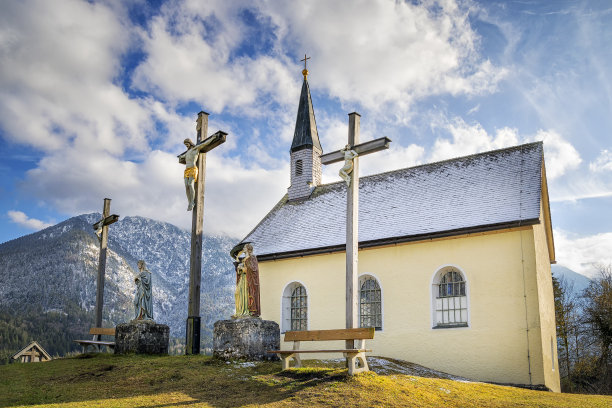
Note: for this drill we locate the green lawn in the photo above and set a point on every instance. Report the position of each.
(106, 380)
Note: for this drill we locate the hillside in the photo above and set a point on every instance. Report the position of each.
(199, 381)
(48, 280)
(576, 281)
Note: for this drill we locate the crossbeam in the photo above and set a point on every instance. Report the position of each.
(218, 138)
(371, 146)
(111, 219)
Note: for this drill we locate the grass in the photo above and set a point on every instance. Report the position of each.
(106, 380)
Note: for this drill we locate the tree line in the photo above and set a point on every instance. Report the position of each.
(584, 334)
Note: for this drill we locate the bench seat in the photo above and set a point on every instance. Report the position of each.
(355, 356)
(97, 332)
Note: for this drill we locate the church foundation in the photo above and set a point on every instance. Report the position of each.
(142, 337)
(246, 338)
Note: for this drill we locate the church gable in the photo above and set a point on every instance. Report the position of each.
(487, 191)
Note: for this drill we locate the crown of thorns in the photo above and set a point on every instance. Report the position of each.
(188, 141)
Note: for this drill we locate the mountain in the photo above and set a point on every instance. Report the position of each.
(578, 281)
(48, 280)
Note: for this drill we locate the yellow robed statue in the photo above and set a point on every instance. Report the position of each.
(247, 281)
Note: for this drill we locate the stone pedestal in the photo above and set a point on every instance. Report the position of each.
(246, 338)
(142, 337)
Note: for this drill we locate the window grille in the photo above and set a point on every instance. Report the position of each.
(299, 309)
(451, 302)
(298, 167)
(370, 311)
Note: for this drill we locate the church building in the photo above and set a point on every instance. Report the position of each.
(454, 260)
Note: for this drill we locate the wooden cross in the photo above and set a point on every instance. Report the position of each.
(101, 228)
(352, 213)
(192, 335)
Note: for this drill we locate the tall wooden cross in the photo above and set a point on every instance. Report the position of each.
(101, 228)
(192, 334)
(352, 213)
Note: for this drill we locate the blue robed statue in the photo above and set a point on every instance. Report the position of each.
(143, 302)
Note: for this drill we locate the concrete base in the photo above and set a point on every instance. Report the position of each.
(142, 337)
(246, 338)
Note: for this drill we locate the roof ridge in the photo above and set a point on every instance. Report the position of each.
(437, 163)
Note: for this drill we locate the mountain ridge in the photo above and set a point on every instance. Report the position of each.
(55, 270)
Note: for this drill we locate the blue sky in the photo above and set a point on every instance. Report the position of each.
(97, 97)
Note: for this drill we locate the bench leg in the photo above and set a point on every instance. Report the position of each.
(286, 360)
(354, 361)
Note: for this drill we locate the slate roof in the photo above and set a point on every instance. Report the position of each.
(492, 190)
(306, 134)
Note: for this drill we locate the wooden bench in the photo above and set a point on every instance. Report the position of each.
(356, 356)
(96, 332)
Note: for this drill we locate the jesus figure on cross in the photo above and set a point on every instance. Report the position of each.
(191, 170)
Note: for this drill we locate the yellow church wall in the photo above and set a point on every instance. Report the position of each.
(500, 269)
(546, 309)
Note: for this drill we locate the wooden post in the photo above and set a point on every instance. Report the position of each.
(352, 215)
(102, 226)
(192, 343)
(352, 228)
(102, 264)
(203, 145)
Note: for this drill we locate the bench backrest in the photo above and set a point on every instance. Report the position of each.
(102, 330)
(339, 334)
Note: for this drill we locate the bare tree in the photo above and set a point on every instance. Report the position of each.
(597, 316)
(567, 330)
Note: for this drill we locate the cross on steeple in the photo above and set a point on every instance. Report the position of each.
(305, 71)
(305, 59)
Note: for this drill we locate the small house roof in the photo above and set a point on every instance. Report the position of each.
(29, 347)
(486, 191)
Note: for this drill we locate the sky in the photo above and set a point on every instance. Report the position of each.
(97, 96)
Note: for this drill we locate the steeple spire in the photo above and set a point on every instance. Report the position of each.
(306, 134)
(305, 149)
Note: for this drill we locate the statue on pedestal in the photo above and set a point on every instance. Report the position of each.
(143, 301)
(247, 281)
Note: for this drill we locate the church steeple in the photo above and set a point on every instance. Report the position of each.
(305, 149)
(306, 134)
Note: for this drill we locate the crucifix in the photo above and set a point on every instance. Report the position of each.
(350, 173)
(101, 228)
(194, 160)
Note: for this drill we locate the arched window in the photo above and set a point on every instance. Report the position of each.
(295, 308)
(298, 167)
(370, 303)
(450, 305)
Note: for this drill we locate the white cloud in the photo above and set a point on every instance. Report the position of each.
(58, 64)
(560, 154)
(582, 253)
(386, 54)
(469, 139)
(190, 56)
(380, 54)
(20, 218)
(602, 163)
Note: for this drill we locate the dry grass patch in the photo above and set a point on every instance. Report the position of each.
(106, 380)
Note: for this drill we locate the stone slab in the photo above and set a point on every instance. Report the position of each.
(246, 338)
(142, 337)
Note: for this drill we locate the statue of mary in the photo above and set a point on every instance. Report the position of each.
(143, 302)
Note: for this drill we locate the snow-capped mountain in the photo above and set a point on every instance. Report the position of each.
(55, 270)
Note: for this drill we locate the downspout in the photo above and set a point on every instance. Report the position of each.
(523, 265)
